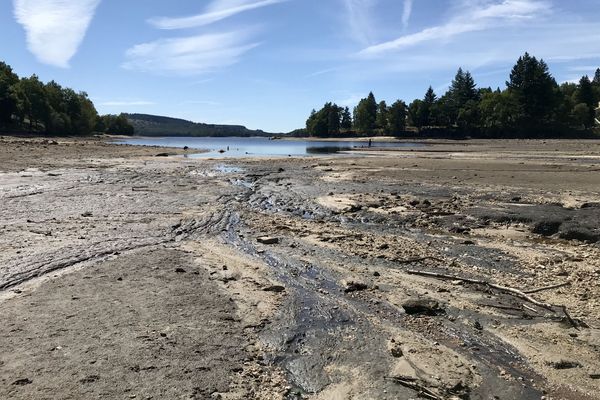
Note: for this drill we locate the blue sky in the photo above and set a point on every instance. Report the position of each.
(266, 63)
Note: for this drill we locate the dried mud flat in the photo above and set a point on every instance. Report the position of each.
(438, 272)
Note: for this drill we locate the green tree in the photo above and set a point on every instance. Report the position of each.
(414, 113)
(462, 91)
(426, 114)
(498, 113)
(36, 108)
(117, 125)
(381, 119)
(536, 93)
(346, 120)
(8, 100)
(581, 115)
(585, 95)
(397, 114)
(365, 115)
(325, 122)
(596, 80)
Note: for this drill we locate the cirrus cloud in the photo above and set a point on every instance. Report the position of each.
(193, 55)
(216, 11)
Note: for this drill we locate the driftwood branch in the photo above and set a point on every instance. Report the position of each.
(547, 288)
(417, 259)
(506, 289)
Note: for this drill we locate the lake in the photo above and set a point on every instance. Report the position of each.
(258, 146)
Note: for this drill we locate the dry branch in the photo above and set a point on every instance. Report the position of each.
(417, 259)
(547, 288)
(420, 389)
(515, 292)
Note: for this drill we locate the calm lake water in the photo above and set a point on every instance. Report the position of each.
(243, 147)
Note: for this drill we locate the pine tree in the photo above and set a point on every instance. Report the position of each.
(425, 115)
(536, 93)
(585, 96)
(346, 123)
(381, 121)
(596, 80)
(365, 115)
(397, 114)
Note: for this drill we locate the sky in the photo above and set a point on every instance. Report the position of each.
(266, 63)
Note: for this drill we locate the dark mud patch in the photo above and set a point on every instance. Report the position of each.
(546, 219)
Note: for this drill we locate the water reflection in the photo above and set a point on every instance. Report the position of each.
(258, 147)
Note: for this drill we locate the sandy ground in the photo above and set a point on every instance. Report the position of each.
(126, 275)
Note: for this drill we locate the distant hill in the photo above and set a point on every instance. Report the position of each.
(154, 125)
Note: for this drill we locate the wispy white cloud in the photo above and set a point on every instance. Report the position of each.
(193, 55)
(217, 10)
(407, 13)
(478, 17)
(322, 72)
(358, 20)
(54, 28)
(119, 103)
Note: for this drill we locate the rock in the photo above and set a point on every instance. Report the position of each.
(180, 271)
(352, 286)
(396, 350)
(376, 274)
(87, 214)
(477, 325)
(162, 155)
(267, 240)
(595, 376)
(422, 307)
(22, 382)
(274, 288)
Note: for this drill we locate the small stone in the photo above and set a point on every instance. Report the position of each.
(180, 271)
(267, 240)
(274, 288)
(422, 307)
(352, 286)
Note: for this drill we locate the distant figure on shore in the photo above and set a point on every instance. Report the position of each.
(370, 142)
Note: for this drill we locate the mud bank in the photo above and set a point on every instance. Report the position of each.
(127, 275)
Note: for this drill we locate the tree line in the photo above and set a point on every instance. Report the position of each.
(30, 105)
(533, 104)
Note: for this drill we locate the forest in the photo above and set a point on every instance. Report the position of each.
(32, 106)
(533, 105)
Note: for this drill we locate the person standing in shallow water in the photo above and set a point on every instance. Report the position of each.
(370, 142)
